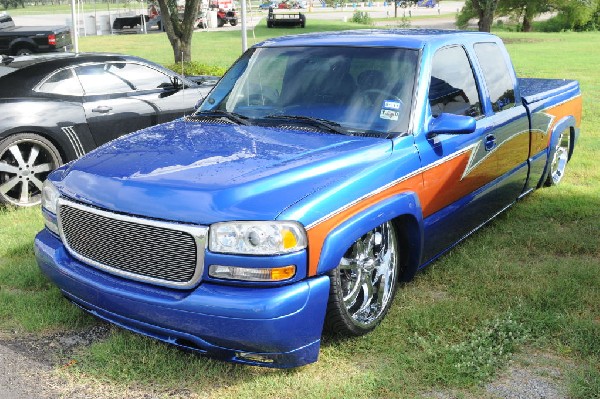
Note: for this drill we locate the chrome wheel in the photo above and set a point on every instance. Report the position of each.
(364, 283)
(560, 159)
(25, 162)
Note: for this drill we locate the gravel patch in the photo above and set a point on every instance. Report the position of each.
(56, 348)
(15, 383)
(538, 376)
(39, 367)
(531, 375)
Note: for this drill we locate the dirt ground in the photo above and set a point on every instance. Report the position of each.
(34, 367)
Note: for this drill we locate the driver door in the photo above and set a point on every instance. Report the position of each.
(111, 106)
(458, 189)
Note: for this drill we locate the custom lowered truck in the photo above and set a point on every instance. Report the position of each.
(319, 173)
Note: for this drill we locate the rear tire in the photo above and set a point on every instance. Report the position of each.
(559, 160)
(26, 159)
(363, 285)
(233, 22)
(24, 51)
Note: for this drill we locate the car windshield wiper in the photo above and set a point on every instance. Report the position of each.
(232, 116)
(325, 124)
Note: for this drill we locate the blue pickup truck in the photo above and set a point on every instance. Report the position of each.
(320, 172)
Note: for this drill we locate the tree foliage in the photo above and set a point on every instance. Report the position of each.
(179, 25)
(524, 11)
(12, 3)
(571, 14)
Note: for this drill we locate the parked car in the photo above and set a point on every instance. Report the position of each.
(130, 23)
(320, 172)
(56, 107)
(25, 40)
(268, 4)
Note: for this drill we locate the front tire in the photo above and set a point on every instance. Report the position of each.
(26, 159)
(559, 161)
(363, 285)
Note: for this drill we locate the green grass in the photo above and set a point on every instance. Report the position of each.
(28, 302)
(529, 280)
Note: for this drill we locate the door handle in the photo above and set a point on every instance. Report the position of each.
(103, 109)
(490, 142)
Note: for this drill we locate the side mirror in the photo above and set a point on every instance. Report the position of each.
(177, 83)
(451, 124)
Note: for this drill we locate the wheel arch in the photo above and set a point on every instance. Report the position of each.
(403, 209)
(567, 123)
(20, 43)
(60, 145)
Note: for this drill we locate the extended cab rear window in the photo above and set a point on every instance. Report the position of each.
(497, 77)
(453, 89)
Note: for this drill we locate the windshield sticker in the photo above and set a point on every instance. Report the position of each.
(389, 114)
(391, 104)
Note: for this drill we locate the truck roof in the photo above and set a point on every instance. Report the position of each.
(405, 38)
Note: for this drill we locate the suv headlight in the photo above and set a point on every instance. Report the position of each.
(257, 238)
(50, 197)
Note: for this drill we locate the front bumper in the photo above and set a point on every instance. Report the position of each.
(275, 327)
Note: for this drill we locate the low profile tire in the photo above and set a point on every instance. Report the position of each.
(363, 285)
(558, 164)
(24, 51)
(26, 159)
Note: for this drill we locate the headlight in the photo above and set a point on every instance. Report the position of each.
(50, 196)
(257, 238)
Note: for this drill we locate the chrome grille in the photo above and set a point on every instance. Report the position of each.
(162, 253)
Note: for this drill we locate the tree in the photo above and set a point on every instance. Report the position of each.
(525, 9)
(179, 31)
(485, 10)
(482, 9)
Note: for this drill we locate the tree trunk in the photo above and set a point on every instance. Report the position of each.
(527, 21)
(179, 32)
(485, 22)
(182, 50)
(485, 10)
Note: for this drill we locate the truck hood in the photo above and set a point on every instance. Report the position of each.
(205, 173)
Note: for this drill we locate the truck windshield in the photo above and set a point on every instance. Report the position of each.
(361, 90)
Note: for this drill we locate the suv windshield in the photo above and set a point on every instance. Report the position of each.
(361, 90)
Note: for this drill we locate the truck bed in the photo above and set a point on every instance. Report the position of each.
(24, 30)
(534, 89)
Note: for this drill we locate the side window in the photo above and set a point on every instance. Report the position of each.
(497, 76)
(140, 76)
(62, 82)
(452, 89)
(97, 79)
